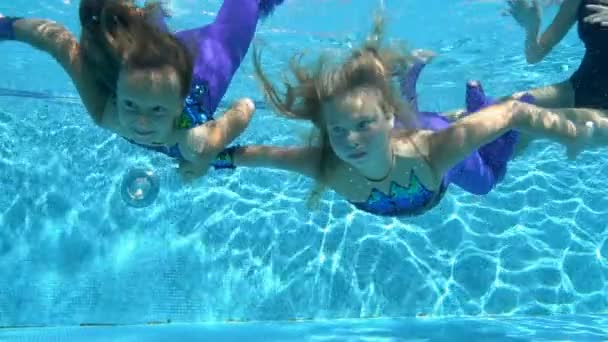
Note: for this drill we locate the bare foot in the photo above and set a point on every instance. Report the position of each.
(423, 56)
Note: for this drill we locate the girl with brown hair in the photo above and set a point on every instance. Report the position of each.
(155, 88)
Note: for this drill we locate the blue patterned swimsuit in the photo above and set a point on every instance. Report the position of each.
(402, 201)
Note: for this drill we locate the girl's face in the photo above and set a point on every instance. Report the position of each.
(149, 102)
(359, 130)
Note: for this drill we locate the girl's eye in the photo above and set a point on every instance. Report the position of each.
(338, 130)
(129, 104)
(364, 124)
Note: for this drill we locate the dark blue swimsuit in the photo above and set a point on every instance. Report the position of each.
(590, 81)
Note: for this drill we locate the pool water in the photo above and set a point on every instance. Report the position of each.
(242, 245)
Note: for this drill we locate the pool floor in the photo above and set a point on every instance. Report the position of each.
(553, 328)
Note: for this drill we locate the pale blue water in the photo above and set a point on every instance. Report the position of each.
(243, 246)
